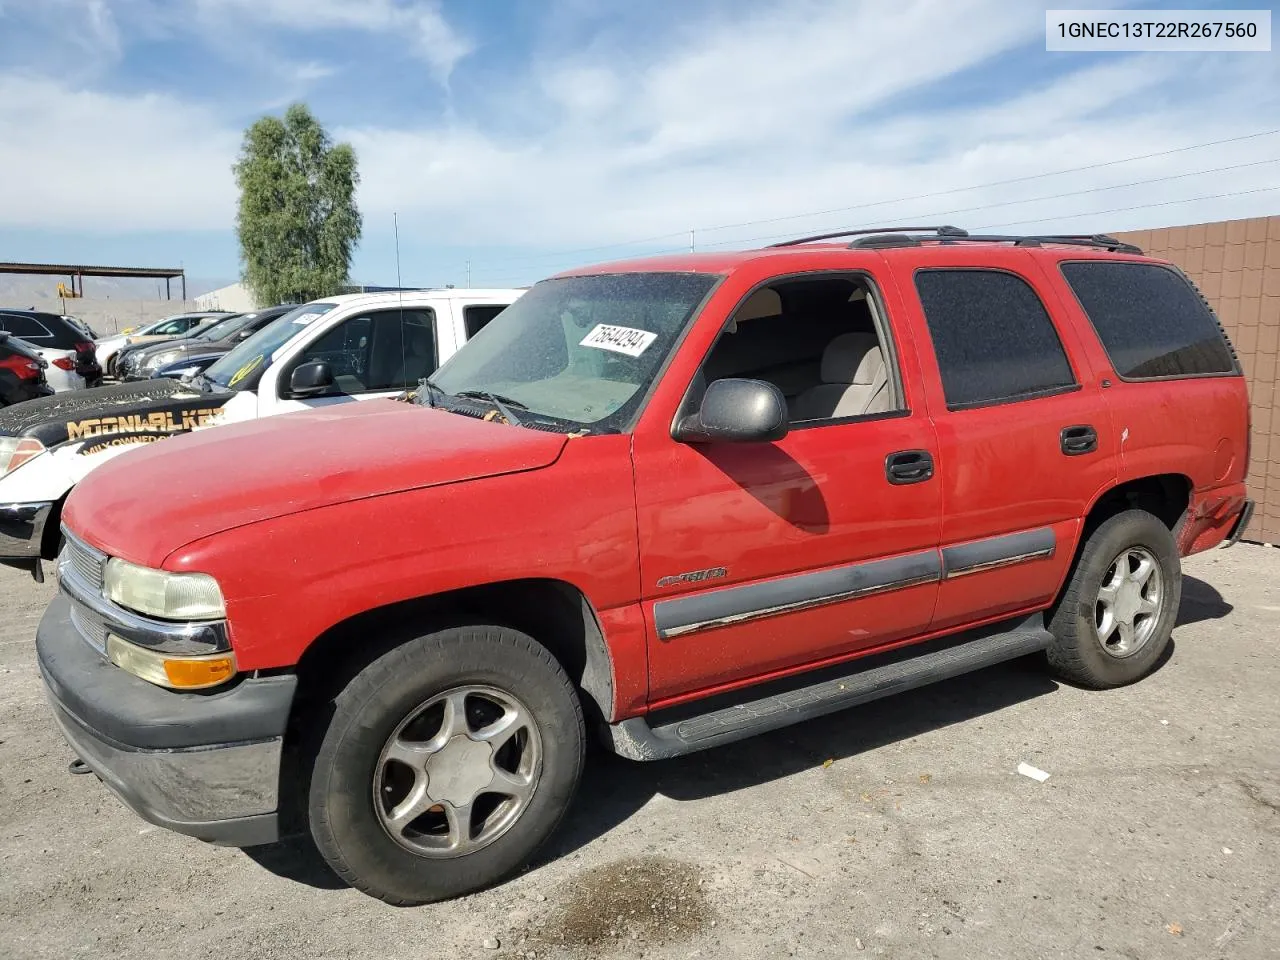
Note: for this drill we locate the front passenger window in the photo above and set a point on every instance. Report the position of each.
(818, 340)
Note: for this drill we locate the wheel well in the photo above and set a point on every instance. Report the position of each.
(1165, 496)
(553, 612)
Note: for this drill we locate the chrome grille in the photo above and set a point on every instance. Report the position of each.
(86, 561)
(91, 626)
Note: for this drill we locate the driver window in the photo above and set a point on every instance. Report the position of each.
(818, 340)
(386, 350)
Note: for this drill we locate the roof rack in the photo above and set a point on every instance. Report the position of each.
(887, 237)
(942, 231)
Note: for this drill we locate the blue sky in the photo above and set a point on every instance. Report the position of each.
(526, 137)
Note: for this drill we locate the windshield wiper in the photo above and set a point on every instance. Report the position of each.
(428, 390)
(501, 404)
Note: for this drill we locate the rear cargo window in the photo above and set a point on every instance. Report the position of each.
(1150, 319)
(992, 336)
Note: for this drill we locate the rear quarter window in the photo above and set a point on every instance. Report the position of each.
(1150, 319)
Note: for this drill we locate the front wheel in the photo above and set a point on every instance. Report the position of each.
(1117, 612)
(448, 761)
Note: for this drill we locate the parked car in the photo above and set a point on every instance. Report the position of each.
(684, 500)
(70, 354)
(22, 375)
(142, 362)
(167, 329)
(372, 345)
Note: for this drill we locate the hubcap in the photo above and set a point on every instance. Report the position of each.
(458, 772)
(1129, 602)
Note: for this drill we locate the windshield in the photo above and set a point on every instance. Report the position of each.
(224, 328)
(580, 349)
(241, 368)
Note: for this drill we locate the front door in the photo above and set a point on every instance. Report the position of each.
(758, 558)
(375, 354)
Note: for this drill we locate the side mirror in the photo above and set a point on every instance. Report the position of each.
(736, 411)
(243, 335)
(310, 379)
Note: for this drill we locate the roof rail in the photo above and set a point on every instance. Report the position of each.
(942, 231)
(882, 237)
(1099, 240)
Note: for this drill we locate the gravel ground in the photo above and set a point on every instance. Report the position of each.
(899, 829)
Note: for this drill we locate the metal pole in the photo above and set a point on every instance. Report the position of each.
(184, 286)
(167, 294)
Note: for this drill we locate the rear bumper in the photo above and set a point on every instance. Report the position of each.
(22, 529)
(207, 766)
(1238, 528)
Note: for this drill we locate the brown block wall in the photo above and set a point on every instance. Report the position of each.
(1236, 265)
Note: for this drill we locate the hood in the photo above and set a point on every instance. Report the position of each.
(142, 411)
(147, 504)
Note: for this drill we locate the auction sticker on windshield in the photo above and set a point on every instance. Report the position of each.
(303, 319)
(626, 340)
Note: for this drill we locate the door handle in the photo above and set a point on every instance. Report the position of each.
(908, 466)
(1078, 439)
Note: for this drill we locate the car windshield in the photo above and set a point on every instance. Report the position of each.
(579, 349)
(241, 368)
(224, 328)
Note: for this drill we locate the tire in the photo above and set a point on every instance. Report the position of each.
(389, 711)
(1079, 653)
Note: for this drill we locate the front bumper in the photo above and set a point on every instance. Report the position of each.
(22, 529)
(203, 765)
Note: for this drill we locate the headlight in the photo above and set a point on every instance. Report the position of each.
(158, 593)
(15, 451)
(161, 359)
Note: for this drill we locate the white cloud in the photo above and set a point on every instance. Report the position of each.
(83, 160)
(421, 23)
(806, 106)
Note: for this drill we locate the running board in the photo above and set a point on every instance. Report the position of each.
(745, 713)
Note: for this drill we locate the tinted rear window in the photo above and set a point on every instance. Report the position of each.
(992, 336)
(1150, 320)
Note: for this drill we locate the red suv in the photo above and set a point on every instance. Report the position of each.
(679, 500)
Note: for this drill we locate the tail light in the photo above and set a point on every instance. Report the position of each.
(85, 346)
(24, 367)
(64, 363)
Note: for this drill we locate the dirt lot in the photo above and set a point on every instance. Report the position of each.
(896, 830)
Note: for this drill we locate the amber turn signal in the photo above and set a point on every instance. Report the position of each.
(176, 673)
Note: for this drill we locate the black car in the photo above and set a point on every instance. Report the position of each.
(62, 341)
(21, 372)
(142, 362)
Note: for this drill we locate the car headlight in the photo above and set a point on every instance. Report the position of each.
(15, 451)
(159, 593)
(158, 360)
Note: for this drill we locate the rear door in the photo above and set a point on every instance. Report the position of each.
(1024, 436)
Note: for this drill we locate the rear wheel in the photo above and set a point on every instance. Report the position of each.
(447, 763)
(1116, 614)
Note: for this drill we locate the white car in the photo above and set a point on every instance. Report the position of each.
(182, 325)
(336, 350)
(61, 341)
